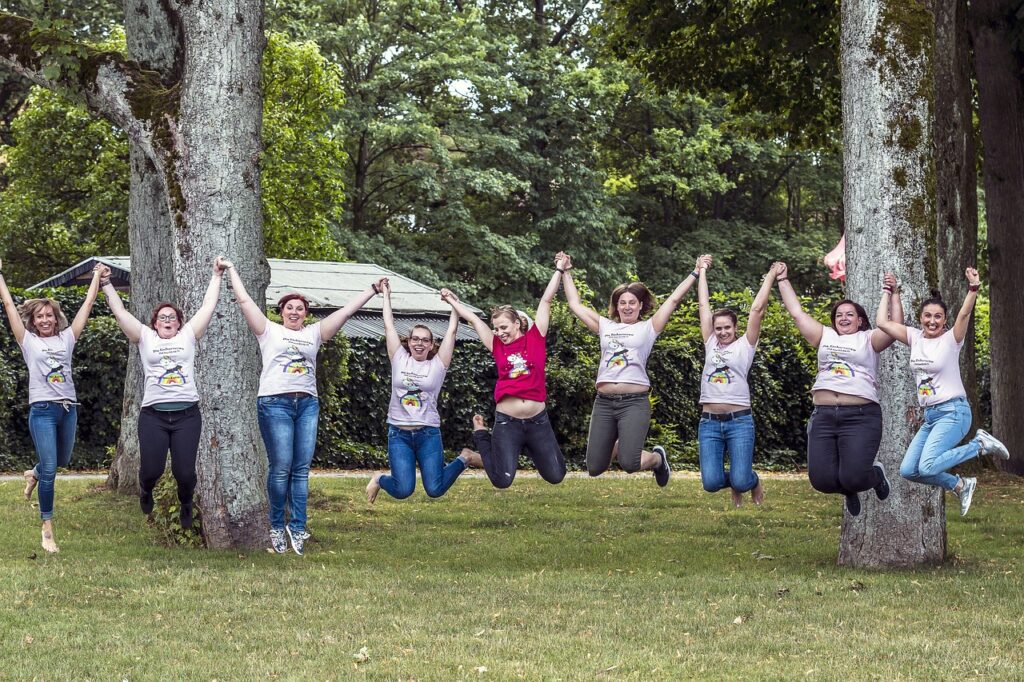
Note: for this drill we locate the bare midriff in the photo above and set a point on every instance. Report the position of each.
(826, 397)
(520, 408)
(616, 388)
(722, 408)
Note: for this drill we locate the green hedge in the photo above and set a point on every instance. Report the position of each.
(354, 384)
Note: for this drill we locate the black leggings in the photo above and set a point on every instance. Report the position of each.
(500, 448)
(842, 442)
(178, 432)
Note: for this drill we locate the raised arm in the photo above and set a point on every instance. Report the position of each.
(390, 333)
(543, 316)
(808, 327)
(333, 322)
(707, 324)
(253, 313)
(890, 327)
(963, 318)
(447, 349)
(78, 324)
(131, 327)
(664, 312)
(482, 329)
(760, 306)
(201, 320)
(17, 326)
(588, 316)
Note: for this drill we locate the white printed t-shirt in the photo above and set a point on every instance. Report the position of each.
(289, 359)
(848, 364)
(724, 378)
(624, 351)
(936, 366)
(415, 386)
(169, 366)
(49, 366)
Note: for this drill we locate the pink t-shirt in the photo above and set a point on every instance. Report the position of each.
(624, 351)
(847, 364)
(169, 366)
(936, 366)
(521, 367)
(724, 379)
(289, 359)
(49, 366)
(415, 386)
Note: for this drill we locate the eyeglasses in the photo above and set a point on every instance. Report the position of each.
(420, 339)
(167, 318)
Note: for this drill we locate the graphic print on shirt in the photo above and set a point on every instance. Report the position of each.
(618, 355)
(519, 368)
(56, 373)
(721, 374)
(295, 363)
(838, 367)
(172, 376)
(412, 399)
(926, 388)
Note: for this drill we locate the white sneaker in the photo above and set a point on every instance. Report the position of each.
(991, 445)
(278, 540)
(967, 494)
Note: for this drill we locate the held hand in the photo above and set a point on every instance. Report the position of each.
(220, 264)
(889, 281)
(385, 287)
(973, 278)
(378, 286)
(448, 296)
(561, 261)
(781, 271)
(103, 270)
(704, 262)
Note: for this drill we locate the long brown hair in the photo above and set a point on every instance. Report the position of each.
(29, 308)
(433, 341)
(638, 289)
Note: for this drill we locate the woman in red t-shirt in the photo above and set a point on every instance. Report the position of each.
(520, 418)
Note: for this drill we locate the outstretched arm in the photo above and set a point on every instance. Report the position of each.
(447, 349)
(201, 320)
(333, 322)
(78, 324)
(588, 316)
(707, 324)
(808, 327)
(543, 316)
(660, 319)
(760, 306)
(390, 333)
(479, 326)
(891, 328)
(17, 326)
(252, 313)
(963, 318)
(131, 327)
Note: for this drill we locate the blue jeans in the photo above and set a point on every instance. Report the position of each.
(53, 432)
(714, 438)
(288, 425)
(933, 451)
(405, 448)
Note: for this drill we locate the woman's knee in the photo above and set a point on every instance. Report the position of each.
(712, 482)
(824, 482)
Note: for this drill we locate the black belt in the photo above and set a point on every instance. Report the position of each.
(728, 416)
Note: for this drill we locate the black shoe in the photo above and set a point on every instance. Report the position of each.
(185, 515)
(853, 504)
(882, 489)
(663, 471)
(146, 501)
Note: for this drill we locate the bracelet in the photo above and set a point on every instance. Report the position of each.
(376, 290)
(560, 270)
(887, 290)
(782, 279)
(696, 274)
(973, 287)
(104, 282)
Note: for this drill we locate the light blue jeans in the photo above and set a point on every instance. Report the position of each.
(423, 445)
(714, 438)
(52, 426)
(933, 451)
(288, 424)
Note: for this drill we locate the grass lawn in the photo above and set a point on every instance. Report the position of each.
(592, 579)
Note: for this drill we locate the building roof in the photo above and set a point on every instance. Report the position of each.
(326, 285)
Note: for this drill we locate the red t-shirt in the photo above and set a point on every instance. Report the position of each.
(521, 367)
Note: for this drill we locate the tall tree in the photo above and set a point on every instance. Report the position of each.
(190, 102)
(887, 73)
(997, 29)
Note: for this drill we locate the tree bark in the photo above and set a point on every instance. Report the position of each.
(999, 65)
(886, 51)
(956, 175)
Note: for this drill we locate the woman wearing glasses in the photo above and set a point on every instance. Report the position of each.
(418, 368)
(169, 418)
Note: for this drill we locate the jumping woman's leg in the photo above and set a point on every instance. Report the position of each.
(187, 425)
(500, 448)
(604, 432)
(823, 450)
(633, 418)
(307, 416)
(401, 483)
(860, 434)
(542, 447)
(940, 453)
(43, 420)
(711, 444)
(739, 437)
(277, 427)
(437, 477)
(154, 442)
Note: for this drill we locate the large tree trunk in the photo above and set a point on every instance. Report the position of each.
(218, 176)
(886, 50)
(956, 175)
(999, 64)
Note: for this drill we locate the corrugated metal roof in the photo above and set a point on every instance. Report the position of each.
(326, 285)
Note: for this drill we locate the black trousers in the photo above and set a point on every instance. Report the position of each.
(842, 442)
(177, 432)
(500, 448)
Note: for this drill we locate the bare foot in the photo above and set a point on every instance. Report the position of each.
(373, 487)
(49, 544)
(471, 458)
(737, 498)
(30, 483)
(478, 423)
(757, 494)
